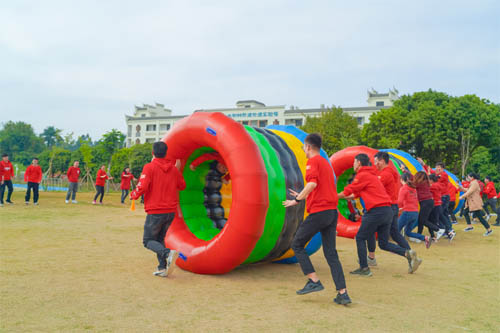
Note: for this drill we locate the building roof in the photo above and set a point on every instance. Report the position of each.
(155, 118)
(361, 108)
(246, 101)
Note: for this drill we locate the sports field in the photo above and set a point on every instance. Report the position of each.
(83, 268)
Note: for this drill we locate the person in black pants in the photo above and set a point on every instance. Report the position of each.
(99, 192)
(378, 217)
(321, 204)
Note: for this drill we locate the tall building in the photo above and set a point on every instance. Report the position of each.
(151, 122)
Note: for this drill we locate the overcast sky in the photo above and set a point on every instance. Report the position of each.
(82, 65)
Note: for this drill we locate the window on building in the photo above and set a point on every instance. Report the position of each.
(129, 142)
(245, 122)
(138, 128)
(380, 103)
(262, 123)
(150, 128)
(137, 134)
(254, 123)
(298, 122)
(129, 130)
(150, 140)
(248, 106)
(361, 120)
(276, 122)
(164, 127)
(137, 142)
(143, 115)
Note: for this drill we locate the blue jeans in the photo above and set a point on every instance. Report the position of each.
(409, 221)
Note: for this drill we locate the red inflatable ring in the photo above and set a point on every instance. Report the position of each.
(245, 224)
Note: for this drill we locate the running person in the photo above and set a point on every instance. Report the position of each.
(437, 215)
(33, 176)
(423, 187)
(377, 219)
(474, 203)
(491, 194)
(99, 184)
(160, 183)
(452, 192)
(321, 204)
(127, 177)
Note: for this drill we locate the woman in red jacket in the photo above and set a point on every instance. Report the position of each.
(491, 194)
(99, 184)
(127, 177)
(421, 181)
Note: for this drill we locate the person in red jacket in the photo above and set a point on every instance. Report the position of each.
(389, 177)
(437, 217)
(491, 194)
(73, 174)
(7, 173)
(127, 177)
(160, 183)
(452, 192)
(99, 184)
(378, 217)
(33, 176)
(321, 204)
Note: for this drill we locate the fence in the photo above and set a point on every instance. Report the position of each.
(60, 184)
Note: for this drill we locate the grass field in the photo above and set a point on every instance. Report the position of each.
(83, 268)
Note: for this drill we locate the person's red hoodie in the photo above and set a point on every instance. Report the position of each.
(436, 190)
(407, 199)
(33, 174)
(367, 186)
(7, 170)
(126, 179)
(389, 177)
(101, 178)
(73, 174)
(490, 190)
(160, 182)
(452, 192)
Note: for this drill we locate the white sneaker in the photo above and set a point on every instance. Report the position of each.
(161, 273)
(487, 233)
(27, 203)
(487, 217)
(172, 257)
(440, 233)
(36, 204)
(414, 240)
(74, 201)
(67, 201)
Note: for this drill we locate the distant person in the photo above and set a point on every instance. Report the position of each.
(408, 204)
(452, 192)
(7, 173)
(474, 203)
(377, 219)
(73, 175)
(445, 198)
(33, 176)
(127, 177)
(437, 215)
(491, 195)
(100, 182)
(321, 204)
(426, 201)
(160, 183)
(220, 165)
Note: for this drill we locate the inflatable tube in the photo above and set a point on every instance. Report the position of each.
(221, 226)
(342, 162)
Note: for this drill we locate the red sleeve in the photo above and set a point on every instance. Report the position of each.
(207, 157)
(386, 178)
(402, 196)
(181, 183)
(143, 184)
(27, 173)
(355, 187)
(312, 171)
(40, 175)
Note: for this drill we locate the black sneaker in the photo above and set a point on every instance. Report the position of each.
(9, 202)
(310, 287)
(362, 271)
(342, 299)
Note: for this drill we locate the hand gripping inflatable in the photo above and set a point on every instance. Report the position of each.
(262, 164)
(342, 162)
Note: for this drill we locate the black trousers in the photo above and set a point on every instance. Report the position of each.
(376, 220)
(326, 223)
(100, 191)
(478, 214)
(451, 211)
(124, 195)
(155, 229)
(393, 232)
(426, 207)
(8, 184)
(33, 186)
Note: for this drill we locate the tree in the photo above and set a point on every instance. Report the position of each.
(55, 161)
(436, 126)
(481, 162)
(52, 136)
(338, 129)
(19, 141)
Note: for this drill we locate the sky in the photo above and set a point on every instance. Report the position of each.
(81, 66)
